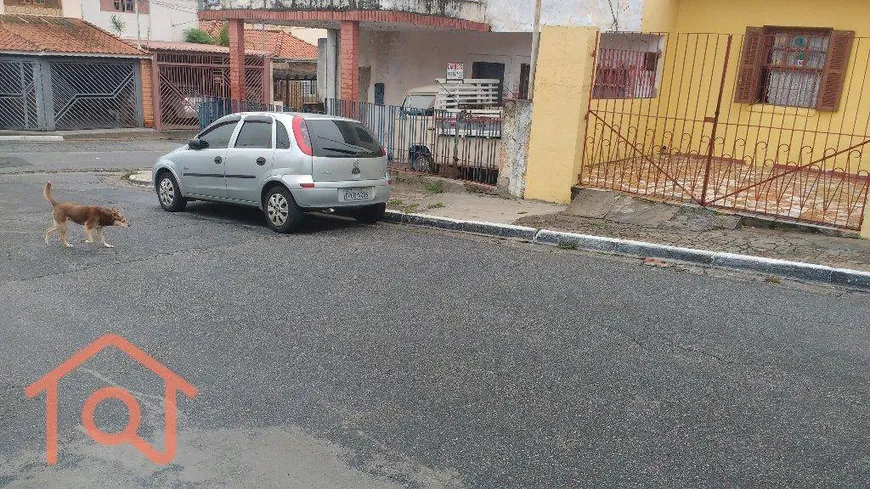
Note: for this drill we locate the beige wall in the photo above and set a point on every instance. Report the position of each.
(411, 59)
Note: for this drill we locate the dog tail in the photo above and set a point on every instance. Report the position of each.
(47, 194)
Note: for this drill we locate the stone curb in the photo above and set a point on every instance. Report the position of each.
(36, 139)
(486, 228)
(141, 179)
(805, 272)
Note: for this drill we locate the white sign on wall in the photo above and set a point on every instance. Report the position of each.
(455, 71)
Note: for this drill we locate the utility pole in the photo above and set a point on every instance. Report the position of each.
(536, 39)
(138, 33)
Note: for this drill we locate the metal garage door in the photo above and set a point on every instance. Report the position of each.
(69, 93)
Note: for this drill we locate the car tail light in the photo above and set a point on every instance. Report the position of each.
(383, 151)
(300, 132)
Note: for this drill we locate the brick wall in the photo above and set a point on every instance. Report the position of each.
(237, 59)
(147, 92)
(349, 54)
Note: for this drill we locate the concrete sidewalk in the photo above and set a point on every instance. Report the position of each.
(442, 198)
(121, 135)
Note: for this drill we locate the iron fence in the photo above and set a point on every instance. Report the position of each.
(296, 93)
(211, 109)
(450, 143)
(775, 123)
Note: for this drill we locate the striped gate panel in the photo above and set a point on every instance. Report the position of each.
(94, 95)
(18, 108)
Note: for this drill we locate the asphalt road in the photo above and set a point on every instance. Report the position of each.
(387, 357)
(17, 157)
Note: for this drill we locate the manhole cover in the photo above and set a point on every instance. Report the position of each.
(11, 161)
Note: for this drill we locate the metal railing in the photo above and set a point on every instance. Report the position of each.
(210, 109)
(296, 93)
(734, 123)
(463, 145)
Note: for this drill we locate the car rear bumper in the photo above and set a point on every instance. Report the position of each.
(327, 194)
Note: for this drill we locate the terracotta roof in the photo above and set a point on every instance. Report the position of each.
(59, 35)
(192, 47)
(278, 43)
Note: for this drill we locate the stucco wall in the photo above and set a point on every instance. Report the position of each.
(518, 16)
(166, 21)
(410, 59)
(559, 128)
(473, 10)
(515, 130)
(712, 16)
(502, 15)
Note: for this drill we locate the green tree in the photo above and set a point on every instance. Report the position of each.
(224, 36)
(117, 25)
(198, 36)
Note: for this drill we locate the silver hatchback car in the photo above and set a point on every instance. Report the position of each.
(282, 163)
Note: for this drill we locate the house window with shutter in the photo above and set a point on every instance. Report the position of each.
(793, 67)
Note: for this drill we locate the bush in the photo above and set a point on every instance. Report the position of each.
(198, 36)
(224, 37)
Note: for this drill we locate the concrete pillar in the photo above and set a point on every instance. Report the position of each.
(333, 87)
(237, 59)
(865, 227)
(349, 46)
(562, 87)
(321, 67)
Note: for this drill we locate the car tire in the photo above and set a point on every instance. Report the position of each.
(424, 163)
(369, 214)
(169, 194)
(281, 212)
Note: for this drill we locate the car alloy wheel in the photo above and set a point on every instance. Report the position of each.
(277, 209)
(166, 193)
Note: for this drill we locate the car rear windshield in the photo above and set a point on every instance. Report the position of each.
(342, 139)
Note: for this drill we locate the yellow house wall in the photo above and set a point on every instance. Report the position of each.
(561, 99)
(691, 70)
(758, 134)
(659, 15)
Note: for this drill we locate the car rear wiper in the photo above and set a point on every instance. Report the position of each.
(359, 148)
(345, 151)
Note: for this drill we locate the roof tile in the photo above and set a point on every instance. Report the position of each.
(29, 33)
(280, 44)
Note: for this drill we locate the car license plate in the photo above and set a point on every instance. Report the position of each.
(356, 194)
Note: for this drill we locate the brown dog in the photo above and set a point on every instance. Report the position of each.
(92, 217)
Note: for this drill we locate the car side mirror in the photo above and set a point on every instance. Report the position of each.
(197, 144)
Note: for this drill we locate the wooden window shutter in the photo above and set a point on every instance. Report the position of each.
(834, 76)
(748, 70)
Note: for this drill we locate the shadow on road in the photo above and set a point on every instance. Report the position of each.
(314, 222)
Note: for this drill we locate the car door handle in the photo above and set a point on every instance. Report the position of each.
(261, 161)
(218, 159)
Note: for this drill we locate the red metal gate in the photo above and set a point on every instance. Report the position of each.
(772, 123)
(185, 79)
